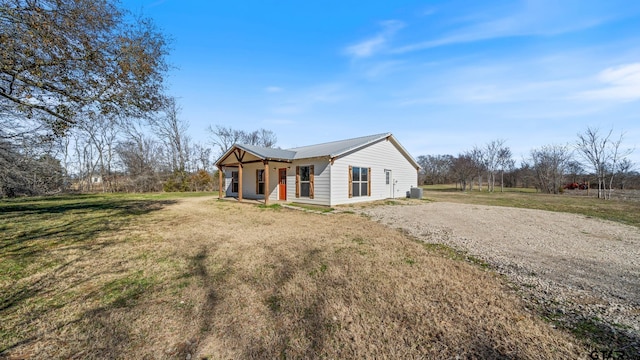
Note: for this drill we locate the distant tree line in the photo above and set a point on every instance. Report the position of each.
(137, 155)
(595, 161)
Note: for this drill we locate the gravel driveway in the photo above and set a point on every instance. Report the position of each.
(571, 264)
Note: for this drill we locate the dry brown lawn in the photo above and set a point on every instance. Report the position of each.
(214, 279)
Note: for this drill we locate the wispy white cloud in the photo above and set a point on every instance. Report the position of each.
(373, 45)
(532, 18)
(622, 83)
(557, 111)
(273, 89)
(381, 68)
(489, 84)
(306, 99)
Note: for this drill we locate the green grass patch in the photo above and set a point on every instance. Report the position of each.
(126, 291)
(320, 208)
(626, 212)
(442, 249)
(605, 340)
(451, 253)
(321, 270)
(454, 188)
(358, 240)
(272, 206)
(34, 227)
(273, 303)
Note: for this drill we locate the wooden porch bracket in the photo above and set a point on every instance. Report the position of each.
(239, 153)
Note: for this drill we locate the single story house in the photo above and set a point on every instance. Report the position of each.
(340, 172)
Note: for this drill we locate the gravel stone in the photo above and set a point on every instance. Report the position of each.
(570, 264)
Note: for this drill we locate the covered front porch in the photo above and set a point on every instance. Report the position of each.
(245, 175)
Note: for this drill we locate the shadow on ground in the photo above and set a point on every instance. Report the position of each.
(605, 340)
(44, 237)
(33, 226)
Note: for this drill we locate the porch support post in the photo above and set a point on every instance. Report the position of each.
(266, 183)
(240, 182)
(220, 184)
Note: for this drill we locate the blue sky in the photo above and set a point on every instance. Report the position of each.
(442, 76)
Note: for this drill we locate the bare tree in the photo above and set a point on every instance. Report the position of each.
(172, 131)
(28, 157)
(464, 168)
(549, 163)
(603, 154)
(593, 149)
(625, 167)
(617, 154)
(29, 168)
(524, 175)
(224, 138)
(492, 161)
(90, 57)
(435, 168)
(504, 162)
(202, 157)
(575, 170)
(138, 154)
(261, 137)
(479, 159)
(100, 135)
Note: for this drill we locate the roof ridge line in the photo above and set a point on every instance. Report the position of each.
(342, 140)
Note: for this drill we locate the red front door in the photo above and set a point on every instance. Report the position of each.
(282, 184)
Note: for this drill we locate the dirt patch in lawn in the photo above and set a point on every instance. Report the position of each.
(213, 279)
(582, 272)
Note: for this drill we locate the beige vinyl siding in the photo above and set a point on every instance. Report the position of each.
(321, 181)
(378, 156)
